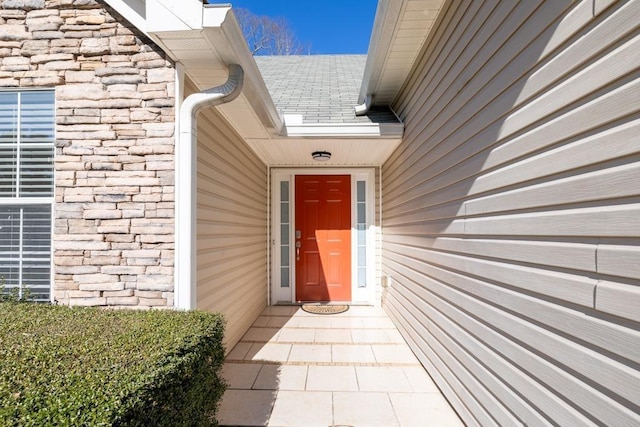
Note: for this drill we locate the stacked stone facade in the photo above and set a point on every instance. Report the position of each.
(113, 233)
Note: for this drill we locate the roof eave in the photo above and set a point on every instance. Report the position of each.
(386, 16)
(229, 42)
(402, 24)
(204, 39)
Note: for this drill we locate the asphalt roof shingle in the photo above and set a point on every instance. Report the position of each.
(322, 88)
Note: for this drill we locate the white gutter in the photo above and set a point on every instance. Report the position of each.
(387, 15)
(345, 130)
(384, 73)
(294, 127)
(186, 183)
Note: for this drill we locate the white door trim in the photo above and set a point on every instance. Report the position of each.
(280, 294)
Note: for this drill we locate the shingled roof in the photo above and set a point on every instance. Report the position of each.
(321, 88)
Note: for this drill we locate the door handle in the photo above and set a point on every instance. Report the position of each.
(298, 244)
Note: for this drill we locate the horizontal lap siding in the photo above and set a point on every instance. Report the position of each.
(232, 227)
(511, 212)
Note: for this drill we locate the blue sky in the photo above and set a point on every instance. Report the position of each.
(331, 26)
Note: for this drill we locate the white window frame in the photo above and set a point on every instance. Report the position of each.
(358, 295)
(19, 200)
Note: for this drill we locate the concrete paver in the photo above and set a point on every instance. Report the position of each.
(298, 369)
(363, 409)
(355, 353)
(383, 379)
(282, 377)
(302, 408)
(332, 378)
(240, 376)
(247, 407)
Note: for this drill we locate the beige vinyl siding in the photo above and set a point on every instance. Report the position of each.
(231, 226)
(511, 212)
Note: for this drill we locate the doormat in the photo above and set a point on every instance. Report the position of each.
(324, 309)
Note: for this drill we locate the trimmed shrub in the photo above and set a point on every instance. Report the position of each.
(94, 367)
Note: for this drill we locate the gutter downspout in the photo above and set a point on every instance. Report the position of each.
(186, 183)
(362, 109)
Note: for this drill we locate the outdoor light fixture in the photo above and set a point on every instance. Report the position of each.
(321, 156)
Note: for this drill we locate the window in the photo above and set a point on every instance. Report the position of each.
(285, 247)
(361, 232)
(27, 123)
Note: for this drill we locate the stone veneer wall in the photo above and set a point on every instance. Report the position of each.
(114, 198)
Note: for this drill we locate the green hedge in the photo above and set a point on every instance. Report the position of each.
(94, 367)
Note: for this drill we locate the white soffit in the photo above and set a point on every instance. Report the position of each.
(399, 32)
(294, 151)
(350, 144)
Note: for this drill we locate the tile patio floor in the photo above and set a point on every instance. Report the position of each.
(293, 368)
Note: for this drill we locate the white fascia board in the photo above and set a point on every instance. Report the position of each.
(386, 20)
(214, 15)
(160, 15)
(171, 15)
(349, 130)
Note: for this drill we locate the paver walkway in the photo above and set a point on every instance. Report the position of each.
(293, 368)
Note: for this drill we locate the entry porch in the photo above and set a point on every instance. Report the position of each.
(293, 368)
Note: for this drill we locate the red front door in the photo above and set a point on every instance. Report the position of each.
(323, 237)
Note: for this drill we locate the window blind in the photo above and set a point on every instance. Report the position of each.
(27, 126)
(8, 143)
(25, 249)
